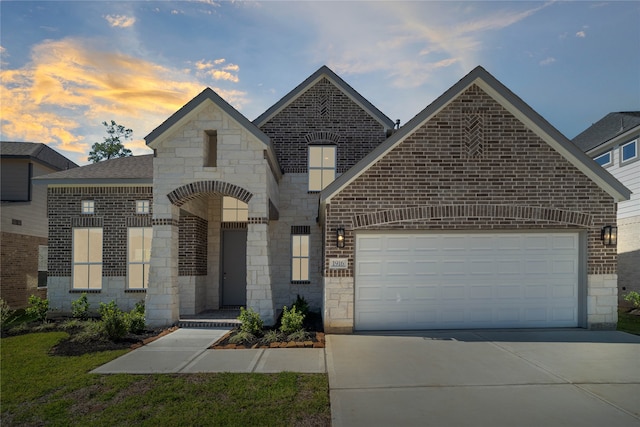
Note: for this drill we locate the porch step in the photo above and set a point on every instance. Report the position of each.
(208, 323)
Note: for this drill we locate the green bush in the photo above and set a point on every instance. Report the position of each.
(634, 298)
(291, 321)
(113, 321)
(301, 305)
(80, 307)
(135, 322)
(38, 308)
(242, 337)
(272, 336)
(139, 308)
(251, 321)
(300, 335)
(5, 313)
(92, 331)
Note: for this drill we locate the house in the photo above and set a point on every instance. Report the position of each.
(23, 236)
(476, 213)
(613, 143)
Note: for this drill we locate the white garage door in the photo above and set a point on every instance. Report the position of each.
(475, 280)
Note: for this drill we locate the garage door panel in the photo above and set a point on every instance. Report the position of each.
(431, 281)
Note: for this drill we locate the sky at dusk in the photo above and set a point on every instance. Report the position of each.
(67, 66)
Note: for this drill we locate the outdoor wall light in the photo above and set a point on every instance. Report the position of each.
(609, 235)
(340, 237)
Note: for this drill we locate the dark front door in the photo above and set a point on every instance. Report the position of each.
(234, 267)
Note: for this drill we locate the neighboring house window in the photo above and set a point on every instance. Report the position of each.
(88, 207)
(300, 254)
(142, 207)
(322, 166)
(87, 258)
(234, 210)
(629, 151)
(604, 159)
(139, 244)
(210, 148)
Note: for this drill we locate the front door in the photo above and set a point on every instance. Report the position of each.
(234, 267)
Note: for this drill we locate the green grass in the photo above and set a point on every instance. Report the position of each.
(39, 389)
(628, 322)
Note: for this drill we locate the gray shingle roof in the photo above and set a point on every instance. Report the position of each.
(133, 169)
(35, 151)
(607, 128)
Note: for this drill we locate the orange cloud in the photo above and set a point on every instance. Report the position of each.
(66, 91)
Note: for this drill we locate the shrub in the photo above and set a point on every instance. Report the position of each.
(272, 336)
(291, 320)
(38, 308)
(242, 337)
(5, 313)
(92, 331)
(634, 298)
(135, 322)
(113, 321)
(80, 307)
(139, 308)
(300, 335)
(251, 321)
(301, 305)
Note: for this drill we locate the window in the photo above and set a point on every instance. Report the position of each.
(88, 207)
(234, 210)
(300, 254)
(87, 258)
(629, 151)
(142, 207)
(210, 148)
(604, 159)
(139, 256)
(322, 166)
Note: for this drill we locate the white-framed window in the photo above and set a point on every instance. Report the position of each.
(629, 151)
(142, 207)
(88, 207)
(138, 256)
(300, 254)
(87, 258)
(234, 210)
(604, 159)
(322, 166)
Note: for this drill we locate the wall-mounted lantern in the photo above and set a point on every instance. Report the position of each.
(340, 237)
(609, 235)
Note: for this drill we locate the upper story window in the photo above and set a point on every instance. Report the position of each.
(142, 207)
(604, 159)
(234, 210)
(322, 166)
(88, 207)
(210, 148)
(629, 151)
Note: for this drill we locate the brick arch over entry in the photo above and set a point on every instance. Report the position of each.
(187, 192)
(472, 211)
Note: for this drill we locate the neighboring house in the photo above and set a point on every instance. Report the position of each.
(475, 214)
(23, 238)
(614, 143)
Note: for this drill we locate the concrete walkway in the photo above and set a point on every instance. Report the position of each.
(186, 351)
(485, 378)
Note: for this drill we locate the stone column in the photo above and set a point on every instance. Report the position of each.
(163, 299)
(259, 294)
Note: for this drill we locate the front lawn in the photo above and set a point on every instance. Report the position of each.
(628, 322)
(40, 389)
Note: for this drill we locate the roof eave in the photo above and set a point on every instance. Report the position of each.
(89, 182)
(606, 145)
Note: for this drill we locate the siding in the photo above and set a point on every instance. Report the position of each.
(629, 175)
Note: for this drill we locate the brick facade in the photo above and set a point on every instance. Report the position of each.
(446, 176)
(192, 246)
(323, 115)
(19, 270)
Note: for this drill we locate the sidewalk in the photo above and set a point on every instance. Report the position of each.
(186, 351)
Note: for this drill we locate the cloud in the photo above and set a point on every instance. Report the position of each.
(581, 34)
(120, 21)
(217, 70)
(69, 82)
(548, 61)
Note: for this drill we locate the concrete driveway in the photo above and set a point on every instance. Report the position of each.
(485, 378)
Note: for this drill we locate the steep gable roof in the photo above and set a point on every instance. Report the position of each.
(608, 128)
(121, 170)
(516, 106)
(192, 106)
(36, 151)
(324, 72)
